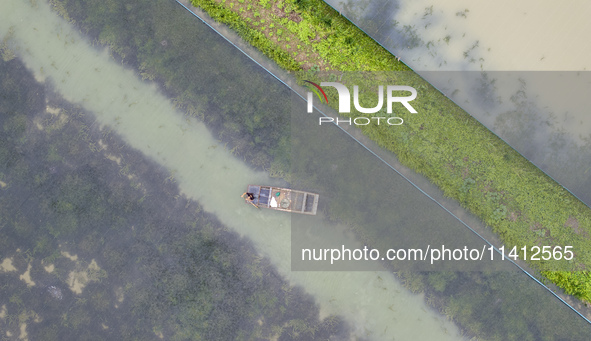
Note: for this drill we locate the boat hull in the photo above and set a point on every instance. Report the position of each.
(284, 199)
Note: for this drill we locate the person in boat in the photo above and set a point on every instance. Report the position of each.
(248, 196)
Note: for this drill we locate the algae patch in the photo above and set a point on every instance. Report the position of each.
(78, 279)
(49, 268)
(66, 254)
(6, 265)
(26, 277)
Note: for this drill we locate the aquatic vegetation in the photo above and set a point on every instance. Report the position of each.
(150, 265)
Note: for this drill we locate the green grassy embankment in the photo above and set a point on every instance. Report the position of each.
(444, 143)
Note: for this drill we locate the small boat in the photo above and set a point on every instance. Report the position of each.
(284, 199)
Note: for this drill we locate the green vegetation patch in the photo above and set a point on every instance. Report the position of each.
(309, 33)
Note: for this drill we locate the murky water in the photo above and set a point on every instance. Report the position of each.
(470, 36)
(529, 36)
(375, 303)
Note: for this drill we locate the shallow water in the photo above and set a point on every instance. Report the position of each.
(463, 35)
(374, 303)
